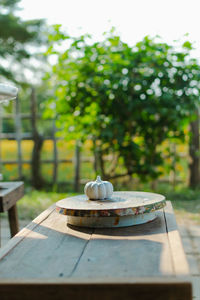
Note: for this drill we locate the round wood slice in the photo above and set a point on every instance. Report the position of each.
(122, 209)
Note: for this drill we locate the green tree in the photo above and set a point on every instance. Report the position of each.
(128, 101)
(18, 40)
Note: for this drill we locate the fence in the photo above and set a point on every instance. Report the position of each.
(77, 159)
(19, 136)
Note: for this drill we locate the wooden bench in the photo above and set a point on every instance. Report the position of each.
(50, 260)
(10, 193)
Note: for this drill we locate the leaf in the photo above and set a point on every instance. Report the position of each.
(187, 45)
(130, 100)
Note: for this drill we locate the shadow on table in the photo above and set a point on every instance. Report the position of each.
(156, 226)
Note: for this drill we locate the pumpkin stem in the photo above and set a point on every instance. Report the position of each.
(98, 178)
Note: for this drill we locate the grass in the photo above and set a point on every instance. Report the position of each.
(186, 202)
(34, 202)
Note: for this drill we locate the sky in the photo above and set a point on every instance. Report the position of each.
(133, 19)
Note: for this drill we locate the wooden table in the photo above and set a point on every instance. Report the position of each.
(49, 260)
(10, 193)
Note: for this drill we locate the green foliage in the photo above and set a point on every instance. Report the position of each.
(16, 37)
(128, 101)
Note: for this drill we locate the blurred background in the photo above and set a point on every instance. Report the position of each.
(106, 88)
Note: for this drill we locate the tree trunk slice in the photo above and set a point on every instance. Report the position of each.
(122, 209)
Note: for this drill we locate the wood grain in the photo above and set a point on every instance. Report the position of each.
(132, 251)
(50, 249)
(24, 232)
(49, 259)
(10, 193)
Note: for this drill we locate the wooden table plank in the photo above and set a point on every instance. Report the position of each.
(179, 260)
(24, 232)
(49, 250)
(49, 259)
(132, 251)
(10, 193)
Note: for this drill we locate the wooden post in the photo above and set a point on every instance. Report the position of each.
(37, 179)
(96, 157)
(174, 165)
(55, 154)
(13, 220)
(1, 128)
(0, 161)
(18, 136)
(77, 167)
(194, 153)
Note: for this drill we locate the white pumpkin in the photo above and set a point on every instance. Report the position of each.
(98, 190)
